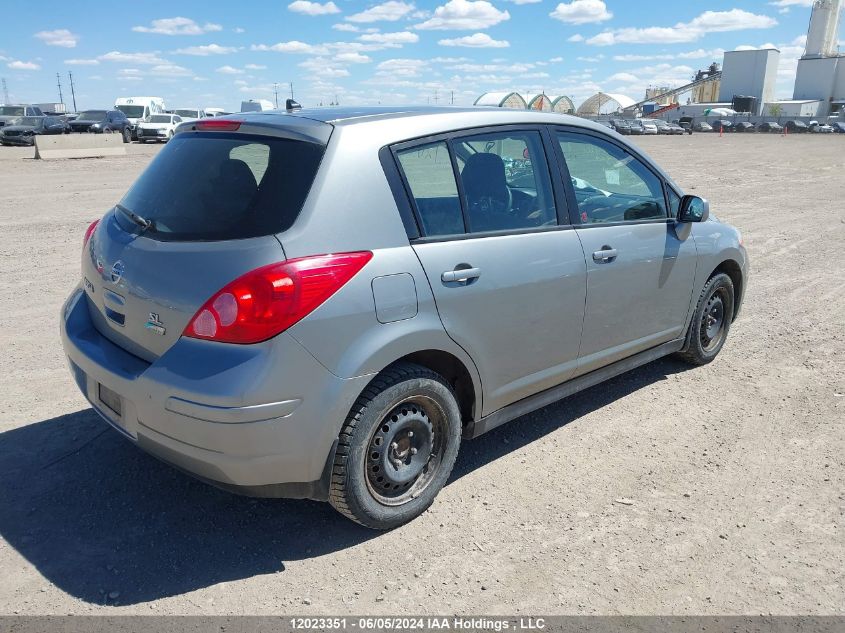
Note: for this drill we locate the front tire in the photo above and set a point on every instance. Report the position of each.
(397, 447)
(711, 321)
(127, 135)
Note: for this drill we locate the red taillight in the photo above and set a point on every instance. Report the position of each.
(89, 232)
(268, 300)
(219, 125)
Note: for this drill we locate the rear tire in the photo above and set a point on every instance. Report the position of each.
(711, 321)
(397, 447)
(127, 135)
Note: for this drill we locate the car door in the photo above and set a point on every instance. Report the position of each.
(640, 263)
(506, 269)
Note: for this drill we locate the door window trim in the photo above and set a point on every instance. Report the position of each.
(562, 206)
(567, 178)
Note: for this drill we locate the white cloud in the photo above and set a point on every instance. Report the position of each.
(792, 3)
(581, 12)
(707, 22)
(255, 67)
(313, 8)
(389, 11)
(464, 15)
(132, 58)
(626, 77)
(352, 58)
(525, 1)
(170, 70)
(82, 62)
(206, 49)
(59, 37)
(21, 65)
(575, 38)
(229, 70)
(177, 26)
(238, 29)
(294, 46)
(478, 40)
(398, 38)
(401, 67)
(348, 28)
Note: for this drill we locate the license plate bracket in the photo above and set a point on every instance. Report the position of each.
(111, 399)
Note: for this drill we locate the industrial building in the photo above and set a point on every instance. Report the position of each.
(821, 70)
(517, 101)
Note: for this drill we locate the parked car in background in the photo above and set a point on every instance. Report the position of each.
(770, 127)
(159, 127)
(636, 127)
(256, 105)
(797, 127)
(677, 130)
(723, 125)
(23, 130)
(137, 109)
(216, 112)
(745, 127)
(820, 128)
(103, 122)
(661, 125)
(230, 321)
(14, 111)
(839, 127)
(649, 127)
(189, 114)
(622, 126)
(702, 126)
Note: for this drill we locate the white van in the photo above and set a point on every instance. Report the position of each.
(189, 114)
(256, 105)
(137, 109)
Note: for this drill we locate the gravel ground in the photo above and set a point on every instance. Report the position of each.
(732, 475)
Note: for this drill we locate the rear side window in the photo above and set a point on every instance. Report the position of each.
(428, 170)
(223, 186)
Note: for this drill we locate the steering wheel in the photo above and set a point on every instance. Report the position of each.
(494, 204)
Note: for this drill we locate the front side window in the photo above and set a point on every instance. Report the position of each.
(610, 184)
(428, 170)
(505, 181)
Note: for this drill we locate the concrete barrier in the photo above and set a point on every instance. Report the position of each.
(79, 146)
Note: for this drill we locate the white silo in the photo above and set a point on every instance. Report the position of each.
(823, 35)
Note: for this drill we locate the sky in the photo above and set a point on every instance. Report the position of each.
(210, 54)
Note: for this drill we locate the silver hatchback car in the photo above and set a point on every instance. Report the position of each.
(322, 303)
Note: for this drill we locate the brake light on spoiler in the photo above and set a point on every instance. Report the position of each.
(218, 125)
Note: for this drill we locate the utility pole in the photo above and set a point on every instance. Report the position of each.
(436, 97)
(72, 93)
(453, 98)
(5, 91)
(276, 94)
(291, 90)
(59, 82)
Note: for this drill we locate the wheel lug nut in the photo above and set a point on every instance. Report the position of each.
(413, 451)
(394, 445)
(410, 434)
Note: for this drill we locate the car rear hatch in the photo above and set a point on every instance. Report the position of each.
(204, 212)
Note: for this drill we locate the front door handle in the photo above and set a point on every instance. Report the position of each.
(605, 255)
(460, 275)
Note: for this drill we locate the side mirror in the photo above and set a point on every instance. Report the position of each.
(694, 209)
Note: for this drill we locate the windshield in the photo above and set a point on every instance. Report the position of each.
(92, 115)
(132, 111)
(218, 186)
(34, 121)
(191, 114)
(160, 118)
(11, 111)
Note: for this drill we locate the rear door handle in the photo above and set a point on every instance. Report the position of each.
(605, 255)
(463, 274)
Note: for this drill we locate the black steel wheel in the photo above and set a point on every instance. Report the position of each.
(711, 321)
(397, 447)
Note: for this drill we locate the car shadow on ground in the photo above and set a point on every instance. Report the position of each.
(96, 516)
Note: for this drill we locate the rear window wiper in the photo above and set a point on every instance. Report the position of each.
(144, 223)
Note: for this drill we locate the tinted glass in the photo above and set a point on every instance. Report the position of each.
(610, 184)
(223, 186)
(428, 170)
(92, 115)
(506, 181)
(133, 111)
(674, 202)
(11, 111)
(161, 118)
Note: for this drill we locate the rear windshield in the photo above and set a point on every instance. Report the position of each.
(92, 115)
(11, 111)
(218, 186)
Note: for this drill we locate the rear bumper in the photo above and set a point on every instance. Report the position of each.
(256, 419)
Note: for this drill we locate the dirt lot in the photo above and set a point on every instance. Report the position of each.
(736, 470)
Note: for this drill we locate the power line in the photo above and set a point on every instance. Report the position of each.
(59, 83)
(72, 93)
(5, 92)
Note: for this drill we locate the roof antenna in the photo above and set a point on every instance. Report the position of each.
(291, 105)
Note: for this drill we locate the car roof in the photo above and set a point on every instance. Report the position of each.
(451, 116)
